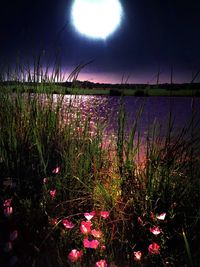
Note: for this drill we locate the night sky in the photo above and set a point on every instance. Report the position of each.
(151, 34)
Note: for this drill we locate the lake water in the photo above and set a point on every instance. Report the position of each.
(154, 109)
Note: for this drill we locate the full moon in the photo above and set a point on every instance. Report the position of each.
(96, 18)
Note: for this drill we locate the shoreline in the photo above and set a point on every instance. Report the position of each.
(140, 91)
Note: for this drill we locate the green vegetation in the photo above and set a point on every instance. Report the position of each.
(55, 167)
(63, 89)
(71, 197)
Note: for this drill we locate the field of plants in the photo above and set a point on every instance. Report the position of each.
(69, 197)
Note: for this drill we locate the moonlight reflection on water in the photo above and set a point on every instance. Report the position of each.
(106, 109)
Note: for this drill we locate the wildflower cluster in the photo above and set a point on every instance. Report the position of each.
(89, 235)
(91, 238)
(88, 229)
(154, 247)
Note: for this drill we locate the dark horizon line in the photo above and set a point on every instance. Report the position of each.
(90, 85)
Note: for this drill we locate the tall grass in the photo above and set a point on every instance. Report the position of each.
(133, 178)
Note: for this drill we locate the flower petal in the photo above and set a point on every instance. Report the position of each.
(89, 215)
(101, 263)
(105, 214)
(7, 202)
(96, 233)
(85, 227)
(90, 244)
(56, 170)
(155, 230)
(154, 248)
(75, 255)
(67, 224)
(53, 193)
(161, 216)
(137, 255)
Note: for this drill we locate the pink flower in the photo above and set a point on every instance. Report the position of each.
(94, 244)
(53, 193)
(137, 255)
(103, 247)
(161, 216)
(105, 214)
(45, 180)
(14, 235)
(96, 233)
(8, 211)
(101, 263)
(154, 248)
(56, 170)
(75, 255)
(53, 221)
(89, 215)
(90, 244)
(86, 243)
(7, 202)
(67, 224)
(155, 230)
(85, 227)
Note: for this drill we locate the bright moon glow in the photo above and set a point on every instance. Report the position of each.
(96, 18)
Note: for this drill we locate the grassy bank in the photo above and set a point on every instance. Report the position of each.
(62, 89)
(67, 199)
